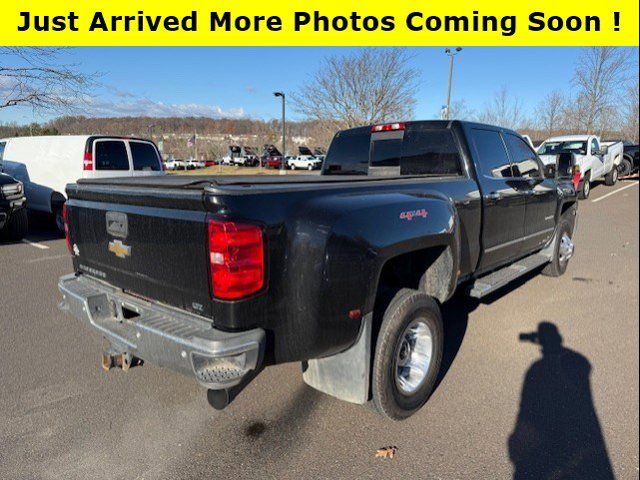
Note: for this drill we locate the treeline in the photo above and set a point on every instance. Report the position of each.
(144, 126)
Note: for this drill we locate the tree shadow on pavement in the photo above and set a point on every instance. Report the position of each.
(557, 434)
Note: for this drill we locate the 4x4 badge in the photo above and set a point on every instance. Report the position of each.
(119, 249)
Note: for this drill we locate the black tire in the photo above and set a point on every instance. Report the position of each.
(625, 168)
(58, 220)
(586, 188)
(611, 178)
(408, 307)
(557, 266)
(16, 227)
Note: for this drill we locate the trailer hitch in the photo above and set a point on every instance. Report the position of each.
(114, 359)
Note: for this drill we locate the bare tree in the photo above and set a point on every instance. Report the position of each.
(460, 110)
(369, 86)
(550, 112)
(631, 112)
(600, 75)
(36, 77)
(503, 110)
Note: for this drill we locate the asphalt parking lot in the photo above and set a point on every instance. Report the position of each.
(504, 408)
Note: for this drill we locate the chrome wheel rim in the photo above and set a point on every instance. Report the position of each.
(586, 188)
(413, 356)
(566, 248)
(615, 175)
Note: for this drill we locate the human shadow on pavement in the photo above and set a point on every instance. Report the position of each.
(557, 434)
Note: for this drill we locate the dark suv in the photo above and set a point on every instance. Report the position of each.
(13, 212)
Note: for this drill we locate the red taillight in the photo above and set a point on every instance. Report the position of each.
(65, 220)
(87, 162)
(387, 127)
(576, 176)
(236, 259)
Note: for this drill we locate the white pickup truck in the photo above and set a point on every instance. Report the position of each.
(595, 159)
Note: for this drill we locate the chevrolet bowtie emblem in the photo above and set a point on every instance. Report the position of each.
(119, 249)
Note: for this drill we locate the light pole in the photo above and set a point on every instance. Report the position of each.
(451, 54)
(284, 131)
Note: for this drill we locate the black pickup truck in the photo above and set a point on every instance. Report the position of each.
(345, 272)
(13, 212)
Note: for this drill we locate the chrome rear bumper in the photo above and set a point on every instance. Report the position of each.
(163, 335)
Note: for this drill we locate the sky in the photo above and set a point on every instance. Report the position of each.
(239, 81)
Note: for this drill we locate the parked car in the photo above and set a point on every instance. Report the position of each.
(304, 162)
(594, 159)
(402, 216)
(233, 152)
(46, 164)
(194, 164)
(629, 163)
(14, 222)
(210, 163)
(248, 158)
(271, 157)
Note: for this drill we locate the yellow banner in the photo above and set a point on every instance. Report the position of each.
(325, 23)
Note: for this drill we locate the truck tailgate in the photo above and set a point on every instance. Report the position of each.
(151, 251)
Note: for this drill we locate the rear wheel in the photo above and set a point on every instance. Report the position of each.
(408, 354)
(625, 168)
(16, 227)
(562, 252)
(611, 178)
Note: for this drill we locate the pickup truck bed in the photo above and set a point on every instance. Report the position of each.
(277, 269)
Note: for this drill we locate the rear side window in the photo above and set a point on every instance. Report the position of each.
(430, 152)
(525, 162)
(111, 155)
(349, 153)
(144, 156)
(494, 161)
(2, 144)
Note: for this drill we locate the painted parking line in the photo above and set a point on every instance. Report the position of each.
(35, 244)
(51, 257)
(615, 191)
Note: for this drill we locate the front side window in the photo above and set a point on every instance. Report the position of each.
(524, 160)
(2, 145)
(111, 155)
(494, 161)
(144, 157)
(594, 146)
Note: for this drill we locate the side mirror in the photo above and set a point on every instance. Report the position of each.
(550, 171)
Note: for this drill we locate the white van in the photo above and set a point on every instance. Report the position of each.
(45, 165)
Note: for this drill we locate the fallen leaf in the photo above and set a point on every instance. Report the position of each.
(386, 452)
